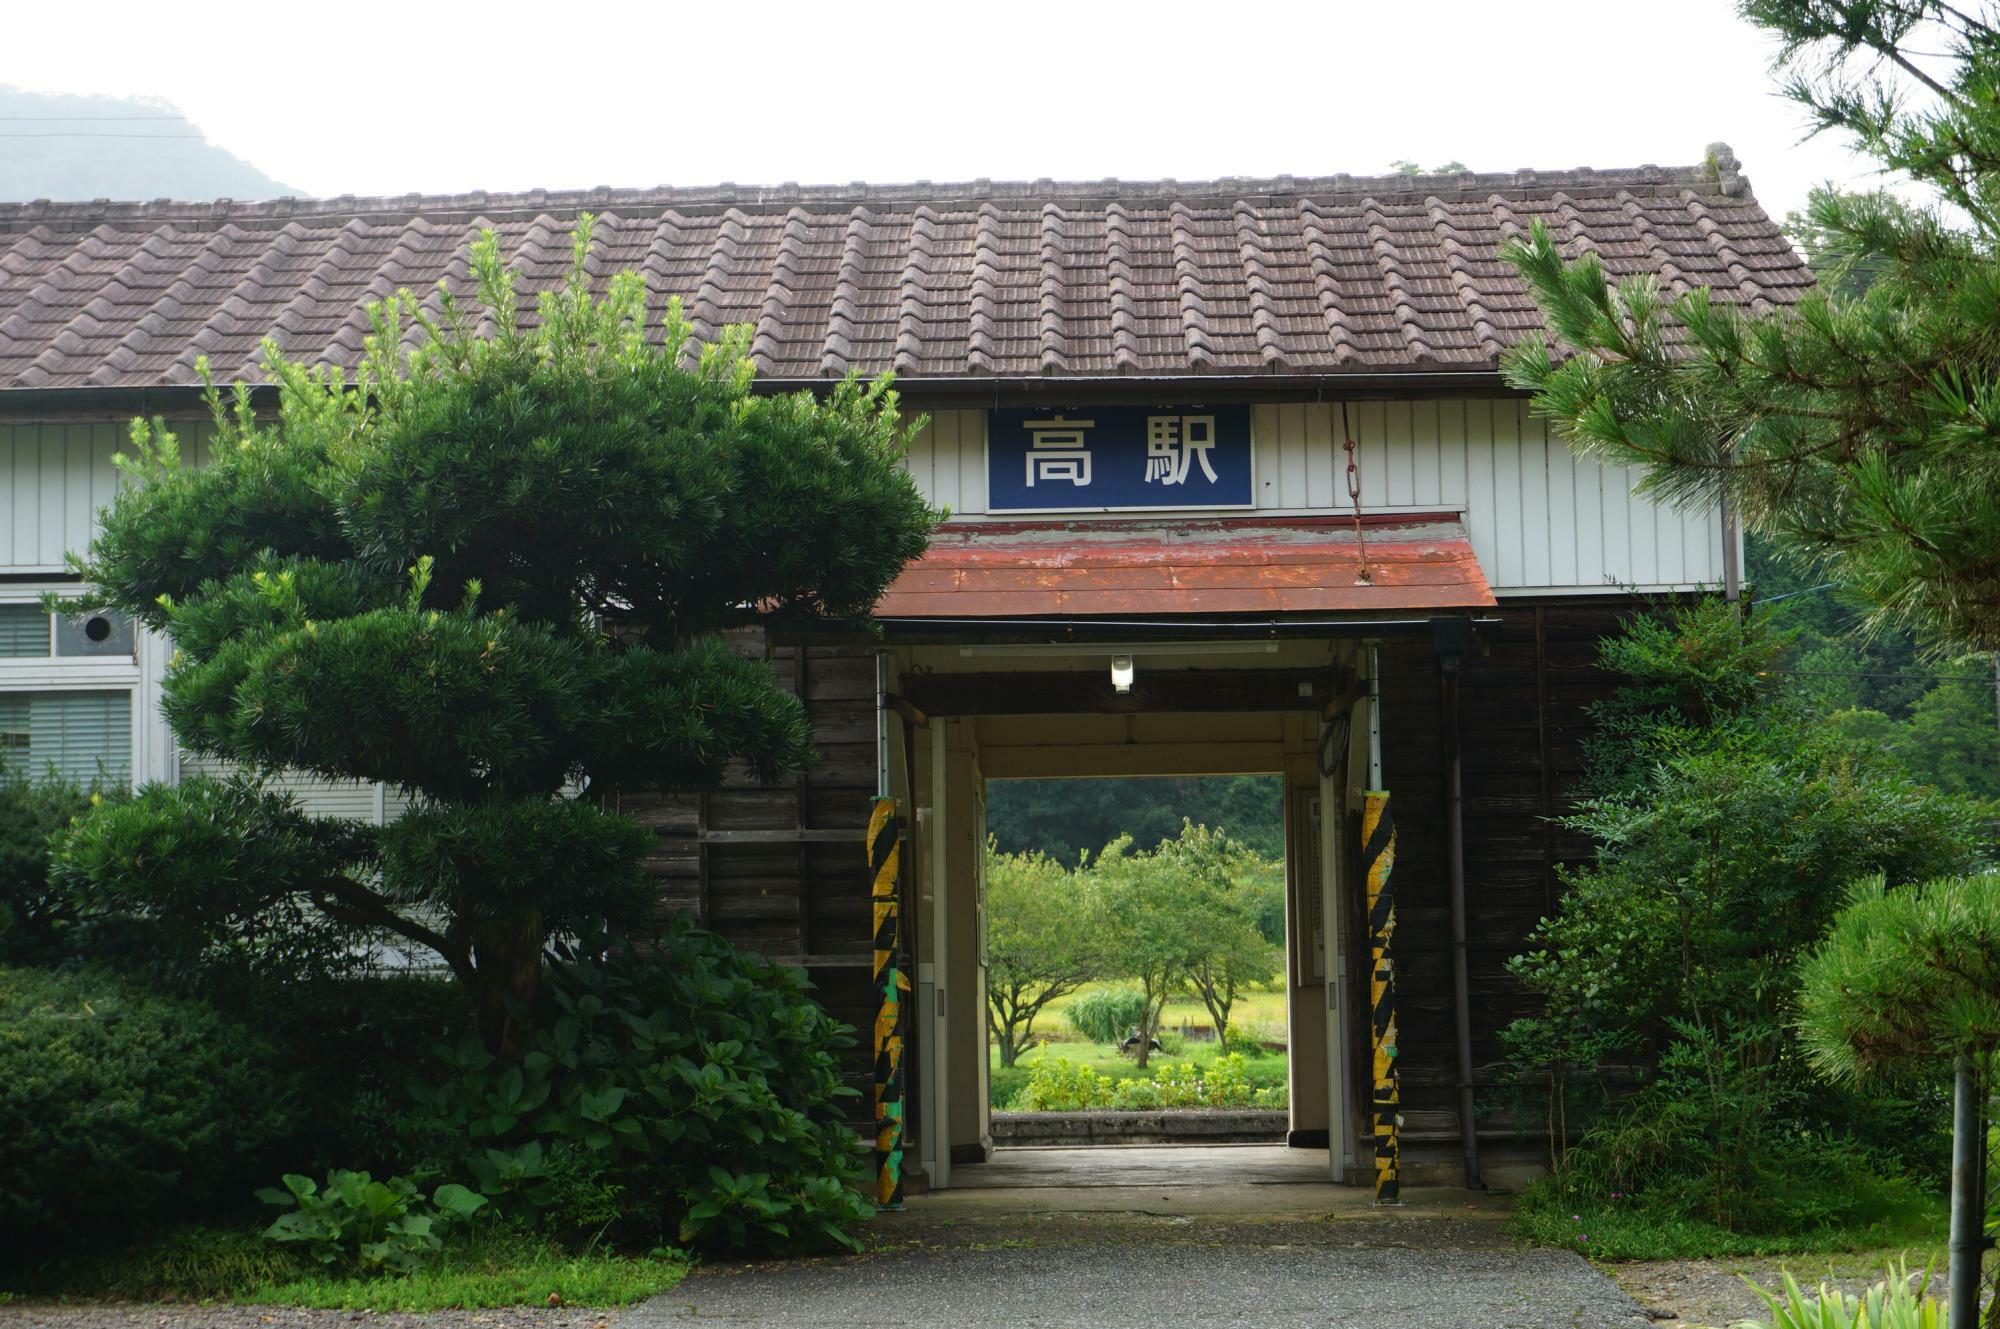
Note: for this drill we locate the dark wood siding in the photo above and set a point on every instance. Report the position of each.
(1523, 719)
(782, 870)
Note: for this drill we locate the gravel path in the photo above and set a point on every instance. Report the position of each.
(1133, 1272)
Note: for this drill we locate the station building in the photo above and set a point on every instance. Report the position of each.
(1234, 486)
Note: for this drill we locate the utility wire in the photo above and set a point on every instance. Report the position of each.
(87, 133)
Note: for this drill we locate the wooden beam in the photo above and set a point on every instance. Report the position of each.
(1077, 693)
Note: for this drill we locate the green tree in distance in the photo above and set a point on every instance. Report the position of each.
(1066, 819)
(490, 572)
(1224, 888)
(1861, 428)
(1043, 941)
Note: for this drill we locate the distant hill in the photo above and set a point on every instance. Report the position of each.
(60, 146)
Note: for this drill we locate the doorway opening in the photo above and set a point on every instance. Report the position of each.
(1135, 961)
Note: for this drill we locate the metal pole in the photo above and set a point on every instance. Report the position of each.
(1732, 576)
(1968, 1237)
(1461, 980)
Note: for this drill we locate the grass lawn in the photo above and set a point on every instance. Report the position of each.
(236, 1265)
(1258, 1012)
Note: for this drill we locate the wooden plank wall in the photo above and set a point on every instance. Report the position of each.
(1523, 720)
(782, 870)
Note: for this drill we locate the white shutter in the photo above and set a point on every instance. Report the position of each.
(24, 630)
(85, 737)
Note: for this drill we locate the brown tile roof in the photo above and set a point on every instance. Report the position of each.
(1285, 277)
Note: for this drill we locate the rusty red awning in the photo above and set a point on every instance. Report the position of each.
(1189, 565)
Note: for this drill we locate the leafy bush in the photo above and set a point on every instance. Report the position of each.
(38, 921)
(1728, 828)
(692, 1094)
(1106, 1015)
(1056, 1084)
(120, 1108)
(364, 1224)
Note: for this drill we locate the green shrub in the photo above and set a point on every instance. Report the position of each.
(1898, 1302)
(1057, 1084)
(359, 1223)
(39, 922)
(120, 1108)
(704, 1082)
(1106, 1015)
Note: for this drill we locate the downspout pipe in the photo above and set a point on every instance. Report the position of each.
(1451, 642)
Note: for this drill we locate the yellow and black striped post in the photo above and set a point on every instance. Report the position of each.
(1378, 859)
(884, 858)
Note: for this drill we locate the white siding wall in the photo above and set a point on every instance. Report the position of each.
(1540, 519)
(56, 477)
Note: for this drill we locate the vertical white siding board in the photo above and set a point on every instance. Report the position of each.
(1451, 455)
(1394, 446)
(1428, 458)
(15, 463)
(1291, 429)
(1269, 461)
(1670, 529)
(1537, 512)
(80, 517)
(1638, 516)
(1323, 489)
(1481, 518)
(1586, 543)
(944, 458)
(972, 461)
(1509, 563)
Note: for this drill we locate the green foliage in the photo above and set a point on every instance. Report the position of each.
(1905, 977)
(1106, 1015)
(495, 1268)
(1067, 819)
(483, 1264)
(121, 1109)
(692, 1094)
(1898, 1302)
(39, 922)
(1617, 1226)
(359, 1223)
(1042, 942)
(1728, 827)
(206, 884)
(1861, 425)
(490, 570)
(1057, 1084)
(1181, 917)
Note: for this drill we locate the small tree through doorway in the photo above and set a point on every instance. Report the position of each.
(1135, 943)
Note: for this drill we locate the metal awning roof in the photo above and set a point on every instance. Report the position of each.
(1190, 565)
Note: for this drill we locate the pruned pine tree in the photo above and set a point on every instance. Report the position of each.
(1863, 426)
(490, 572)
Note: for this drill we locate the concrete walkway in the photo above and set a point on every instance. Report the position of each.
(1118, 1238)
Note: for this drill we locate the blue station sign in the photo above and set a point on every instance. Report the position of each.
(1118, 458)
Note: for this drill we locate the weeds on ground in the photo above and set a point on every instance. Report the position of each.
(493, 1268)
(1622, 1228)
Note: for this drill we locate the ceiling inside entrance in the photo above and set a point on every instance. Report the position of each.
(1181, 565)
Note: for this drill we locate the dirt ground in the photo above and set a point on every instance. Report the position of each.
(1711, 1294)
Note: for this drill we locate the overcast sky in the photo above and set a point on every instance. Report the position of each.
(367, 97)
